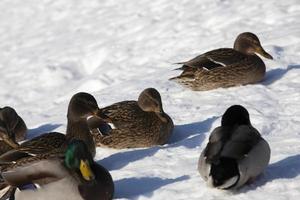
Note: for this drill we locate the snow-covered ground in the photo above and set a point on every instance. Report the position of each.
(50, 50)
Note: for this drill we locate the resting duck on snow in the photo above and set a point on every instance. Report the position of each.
(226, 67)
(235, 154)
(82, 107)
(141, 123)
(12, 129)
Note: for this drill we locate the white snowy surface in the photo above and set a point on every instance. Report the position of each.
(50, 50)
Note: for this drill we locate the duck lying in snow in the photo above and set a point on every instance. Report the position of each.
(49, 146)
(226, 67)
(235, 154)
(141, 123)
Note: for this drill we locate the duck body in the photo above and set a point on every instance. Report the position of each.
(225, 67)
(235, 154)
(53, 145)
(59, 180)
(136, 125)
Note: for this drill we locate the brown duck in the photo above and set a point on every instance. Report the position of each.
(81, 107)
(141, 123)
(12, 129)
(226, 67)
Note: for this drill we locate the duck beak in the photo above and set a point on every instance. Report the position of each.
(86, 171)
(263, 53)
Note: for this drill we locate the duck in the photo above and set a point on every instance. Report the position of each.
(82, 106)
(12, 129)
(235, 154)
(73, 176)
(135, 124)
(225, 67)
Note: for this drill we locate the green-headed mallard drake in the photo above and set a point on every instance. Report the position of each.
(226, 67)
(72, 176)
(12, 129)
(235, 154)
(141, 123)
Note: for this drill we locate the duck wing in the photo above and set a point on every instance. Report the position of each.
(243, 139)
(122, 114)
(216, 143)
(41, 171)
(43, 144)
(213, 59)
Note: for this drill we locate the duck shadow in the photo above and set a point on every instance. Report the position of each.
(286, 168)
(188, 135)
(130, 188)
(276, 74)
(119, 160)
(191, 135)
(45, 128)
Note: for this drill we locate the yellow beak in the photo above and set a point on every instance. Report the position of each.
(86, 171)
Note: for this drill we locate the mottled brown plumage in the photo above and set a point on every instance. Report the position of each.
(12, 129)
(52, 145)
(225, 67)
(81, 106)
(141, 123)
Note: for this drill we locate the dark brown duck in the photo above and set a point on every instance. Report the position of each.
(12, 129)
(141, 123)
(226, 67)
(53, 145)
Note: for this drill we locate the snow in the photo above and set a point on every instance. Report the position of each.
(50, 50)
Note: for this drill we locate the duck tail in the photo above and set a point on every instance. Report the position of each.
(183, 67)
(187, 75)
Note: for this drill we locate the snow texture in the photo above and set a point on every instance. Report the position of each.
(113, 49)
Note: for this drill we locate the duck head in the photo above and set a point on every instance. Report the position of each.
(82, 106)
(10, 118)
(235, 115)
(150, 101)
(79, 159)
(249, 43)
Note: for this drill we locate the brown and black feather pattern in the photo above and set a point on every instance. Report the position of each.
(134, 127)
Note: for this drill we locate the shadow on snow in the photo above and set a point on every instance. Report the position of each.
(276, 74)
(132, 187)
(188, 135)
(45, 128)
(191, 135)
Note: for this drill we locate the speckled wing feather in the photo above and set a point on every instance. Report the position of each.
(40, 145)
(122, 114)
(215, 58)
(4, 147)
